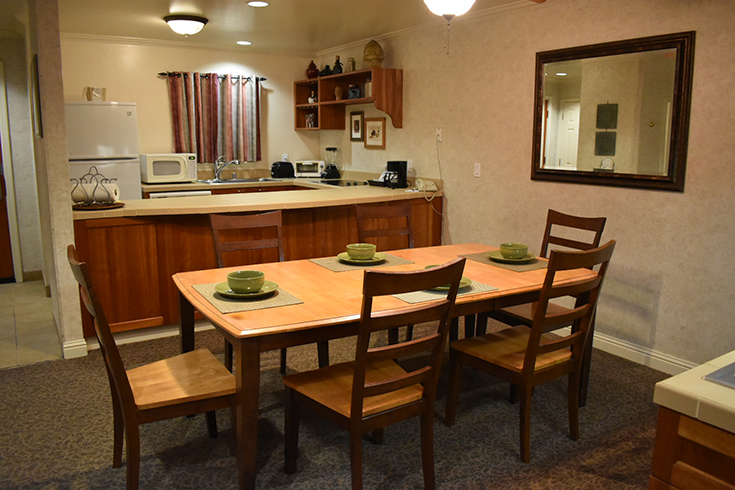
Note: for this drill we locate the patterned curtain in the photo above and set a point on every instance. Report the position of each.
(215, 115)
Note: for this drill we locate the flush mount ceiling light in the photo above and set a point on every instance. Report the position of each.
(258, 4)
(244, 43)
(186, 25)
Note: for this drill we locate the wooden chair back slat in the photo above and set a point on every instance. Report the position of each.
(556, 219)
(232, 222)
(371, 222)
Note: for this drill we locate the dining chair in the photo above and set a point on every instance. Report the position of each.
(187, 384)
(374, 390)
(236, 233)
(528, 356)
(390, 228)
(571, 233)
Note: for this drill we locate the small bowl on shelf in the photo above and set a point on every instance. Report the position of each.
(512, 250)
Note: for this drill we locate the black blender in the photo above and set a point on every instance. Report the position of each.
(331, 171)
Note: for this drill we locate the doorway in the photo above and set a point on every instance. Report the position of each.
(568, 134)
(11, 269)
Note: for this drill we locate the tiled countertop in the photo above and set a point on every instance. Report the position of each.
(689, 394)
(318, 195)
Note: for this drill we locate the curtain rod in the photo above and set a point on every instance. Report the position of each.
(172, 74)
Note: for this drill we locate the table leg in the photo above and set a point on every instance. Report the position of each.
(186, 324)
(247, 372)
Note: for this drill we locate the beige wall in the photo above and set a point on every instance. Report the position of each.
(129, 72)
(670, 287)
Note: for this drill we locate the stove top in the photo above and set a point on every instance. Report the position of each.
(342, 183)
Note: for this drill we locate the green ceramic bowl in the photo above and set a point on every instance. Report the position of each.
(246, 281)
(361, 251)
(513, 250)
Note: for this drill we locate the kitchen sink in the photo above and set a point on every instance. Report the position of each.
(235, 181)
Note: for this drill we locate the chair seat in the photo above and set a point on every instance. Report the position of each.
(332, 387)
(526, 311)
(507, 348)
(195, 375)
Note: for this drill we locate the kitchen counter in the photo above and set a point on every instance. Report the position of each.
(689, 394)
(314, 195)
(695, 436)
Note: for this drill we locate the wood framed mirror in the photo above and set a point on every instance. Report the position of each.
(614, 114)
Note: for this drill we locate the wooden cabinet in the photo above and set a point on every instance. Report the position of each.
(328, 113)
(132, 259)
(691, 455)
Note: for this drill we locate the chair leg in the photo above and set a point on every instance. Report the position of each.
(132, 446)
(291, 432)
(377, 436)
(211, 424)
(356, 459)
(409, 332)
(283, 361)
(525, 416)
(453, 329)
(574, 406)
(513, 394)
(427, 449)
(392, 336)
(584, 375)
(481, 326)
(228, 355)
(455, 382)
(469, 326)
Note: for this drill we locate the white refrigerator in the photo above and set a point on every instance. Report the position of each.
(104, 135)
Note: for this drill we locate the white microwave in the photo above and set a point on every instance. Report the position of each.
(163, 168)
(309, 168)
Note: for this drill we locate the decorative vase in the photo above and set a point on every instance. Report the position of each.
(312, 71)
(373, 56)
(326, 71)
(337, 66)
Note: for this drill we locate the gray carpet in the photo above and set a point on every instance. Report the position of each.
(57, 433)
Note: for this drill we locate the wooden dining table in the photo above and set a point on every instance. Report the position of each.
(329, 309)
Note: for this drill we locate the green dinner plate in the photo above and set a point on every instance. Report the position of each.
(496, 256)
(269, 287)
(377, 259)
(463, 283)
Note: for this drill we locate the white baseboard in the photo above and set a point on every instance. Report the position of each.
(640, 355)
(74, 348)
(148, 334)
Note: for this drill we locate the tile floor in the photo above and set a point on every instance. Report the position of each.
(27, 330)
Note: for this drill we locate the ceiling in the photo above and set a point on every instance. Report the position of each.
(297, 26)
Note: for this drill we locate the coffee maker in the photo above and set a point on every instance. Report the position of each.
(399, 169)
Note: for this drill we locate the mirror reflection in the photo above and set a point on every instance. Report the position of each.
(610, 114)
(614, 113)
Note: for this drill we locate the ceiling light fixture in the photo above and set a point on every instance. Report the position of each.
(186, 25)
(258, 4)
(448, 9)
(244, 43)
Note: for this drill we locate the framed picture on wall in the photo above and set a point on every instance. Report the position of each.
(356, 126)
(375, 133)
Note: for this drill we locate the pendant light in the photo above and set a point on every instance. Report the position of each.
(186, 25)
(448, 9)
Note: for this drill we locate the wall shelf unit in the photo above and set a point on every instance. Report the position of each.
(329, 113)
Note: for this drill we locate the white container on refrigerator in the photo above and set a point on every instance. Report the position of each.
(105, 135)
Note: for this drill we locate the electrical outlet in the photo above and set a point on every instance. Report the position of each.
(477, 170)
(439, 134)
(284, 157)
(409, 165)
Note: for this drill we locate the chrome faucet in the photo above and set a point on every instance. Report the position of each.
(220, 164)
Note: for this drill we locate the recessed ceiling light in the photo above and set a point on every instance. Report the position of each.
(244, 43)
(561, 74)
(258, 4)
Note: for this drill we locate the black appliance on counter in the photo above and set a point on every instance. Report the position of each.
(401, 171)
(282, 170)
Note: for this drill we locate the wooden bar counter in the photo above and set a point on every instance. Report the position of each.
(133, 251)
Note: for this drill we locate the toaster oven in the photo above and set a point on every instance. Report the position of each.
(310, 168)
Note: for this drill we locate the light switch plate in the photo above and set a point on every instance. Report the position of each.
(477, 170)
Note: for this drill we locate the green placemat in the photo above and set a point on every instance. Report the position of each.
(421, 296)
(531, 266)
(232, 305)
(336, 265)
